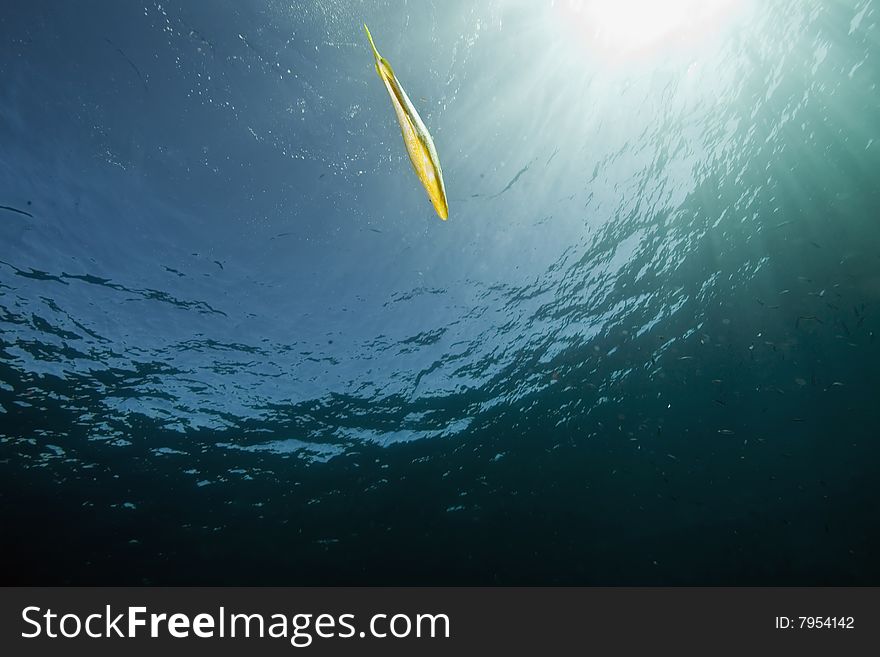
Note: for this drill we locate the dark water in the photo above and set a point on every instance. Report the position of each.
(237, 345)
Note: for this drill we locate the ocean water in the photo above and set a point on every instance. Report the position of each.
(237, 346)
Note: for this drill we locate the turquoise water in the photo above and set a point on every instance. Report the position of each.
(238, 346)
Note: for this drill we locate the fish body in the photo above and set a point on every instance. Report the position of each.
(419, 144)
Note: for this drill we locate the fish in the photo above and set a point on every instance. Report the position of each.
(416, 137)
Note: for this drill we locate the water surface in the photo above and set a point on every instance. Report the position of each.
(237, 346)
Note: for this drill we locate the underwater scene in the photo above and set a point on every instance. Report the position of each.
(241, 344)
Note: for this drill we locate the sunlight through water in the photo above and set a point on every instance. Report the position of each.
(627, 28)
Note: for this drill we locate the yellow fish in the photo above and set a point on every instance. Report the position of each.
(418, 142)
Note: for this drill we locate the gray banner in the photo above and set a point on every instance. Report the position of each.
(434, 621)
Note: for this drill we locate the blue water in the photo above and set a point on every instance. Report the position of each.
(238, 346)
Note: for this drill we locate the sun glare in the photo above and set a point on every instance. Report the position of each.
(632, 27)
